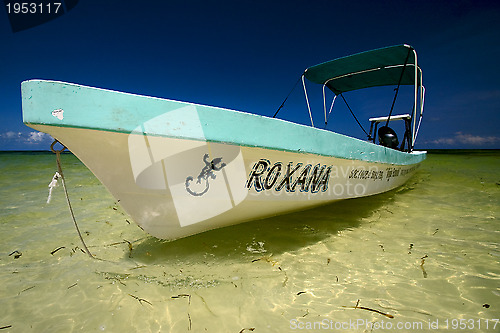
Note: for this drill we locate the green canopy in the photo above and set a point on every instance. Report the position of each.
(380, 67)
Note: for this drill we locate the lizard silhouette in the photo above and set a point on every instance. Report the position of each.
(206, 173)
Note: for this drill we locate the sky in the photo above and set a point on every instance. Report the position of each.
(247, 55)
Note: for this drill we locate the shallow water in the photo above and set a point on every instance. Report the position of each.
(426, 254)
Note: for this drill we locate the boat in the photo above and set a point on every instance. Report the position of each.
(180, 168)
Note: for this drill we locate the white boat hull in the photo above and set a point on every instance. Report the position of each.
(175, 187)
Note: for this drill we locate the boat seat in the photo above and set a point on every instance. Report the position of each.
(398, 117)
(386, 136)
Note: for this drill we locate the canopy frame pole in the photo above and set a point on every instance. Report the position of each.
(327, 115)
(307, 100)
(422, 98)
(399, 85)
(324, 102)
(413, 135)
(331, 108)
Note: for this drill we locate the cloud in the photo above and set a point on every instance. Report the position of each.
(30, 138)
(11, 135)
(37, 136)
(467, 139)
(476, 139)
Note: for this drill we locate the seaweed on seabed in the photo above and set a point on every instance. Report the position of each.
(422, 265)
(130, 246)
(368, 309)
(189, 303)
(114, 277)
(16, 254)
(273, 262)
(59, 248)
(140, 300)
(26, 289)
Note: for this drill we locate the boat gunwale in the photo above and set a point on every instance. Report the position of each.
(359, 158)
(363, 150)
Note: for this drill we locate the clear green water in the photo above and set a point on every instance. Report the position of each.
(427, 254)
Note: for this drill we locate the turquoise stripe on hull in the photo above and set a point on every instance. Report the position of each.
(106, 110)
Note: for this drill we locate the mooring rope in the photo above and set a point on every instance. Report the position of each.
(59, 169)
(53, 184)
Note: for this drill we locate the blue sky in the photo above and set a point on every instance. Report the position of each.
(247, 56)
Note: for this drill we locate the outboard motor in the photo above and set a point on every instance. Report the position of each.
(387, 137)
